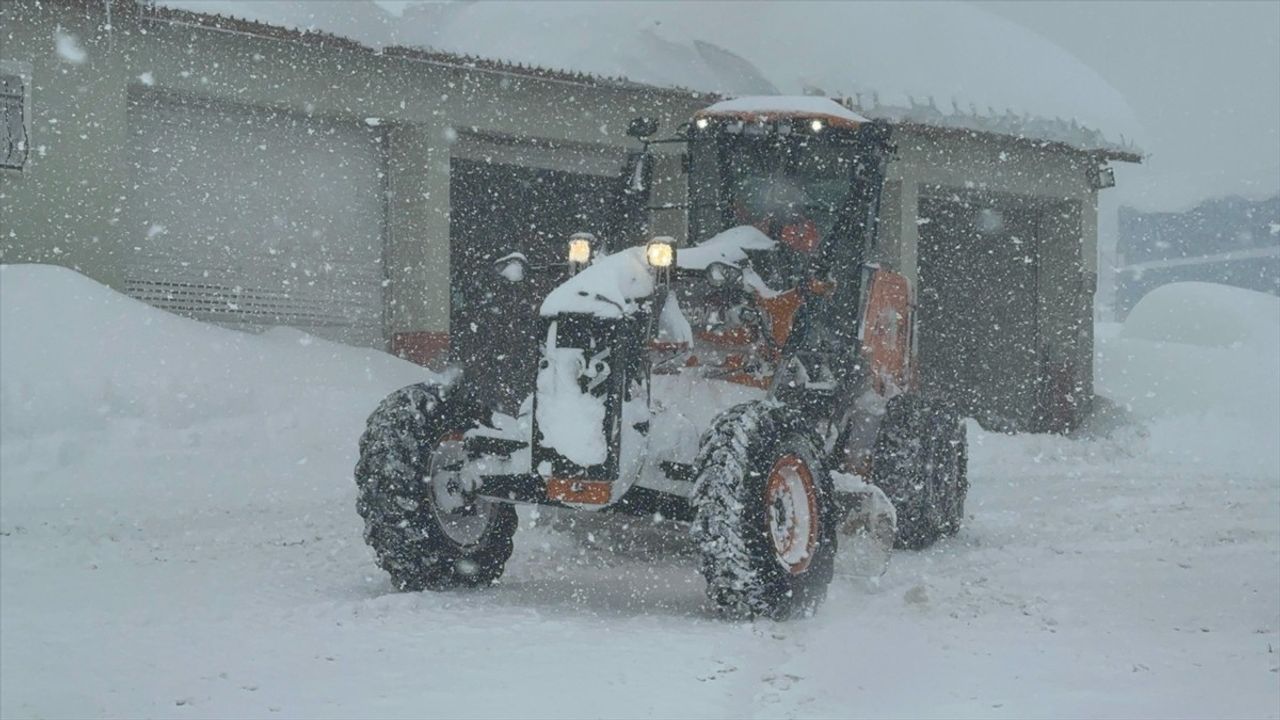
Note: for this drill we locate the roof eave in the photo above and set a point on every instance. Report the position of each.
(1103, 154)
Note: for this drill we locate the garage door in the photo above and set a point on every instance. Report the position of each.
(498, 208)
(251, 218)
(978, 336)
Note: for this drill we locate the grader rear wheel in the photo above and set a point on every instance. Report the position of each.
(919, 460)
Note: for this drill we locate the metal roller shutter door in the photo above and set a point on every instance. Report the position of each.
(252, 218)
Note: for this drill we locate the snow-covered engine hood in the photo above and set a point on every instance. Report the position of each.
(614, 286)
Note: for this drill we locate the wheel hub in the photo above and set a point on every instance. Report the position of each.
(461, 515)
(792, 510)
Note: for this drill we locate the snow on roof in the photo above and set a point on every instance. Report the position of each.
(785, 105)
(942, 64)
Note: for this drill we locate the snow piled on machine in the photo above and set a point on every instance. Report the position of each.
(570, 419)
(729, 247)
(614, 286)
(785, 105)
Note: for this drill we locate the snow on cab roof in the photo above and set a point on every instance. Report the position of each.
(768, 106)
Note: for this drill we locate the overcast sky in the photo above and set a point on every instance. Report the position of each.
(1202, 77)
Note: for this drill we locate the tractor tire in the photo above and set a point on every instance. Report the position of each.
(421, 545)
(954, 460)
(919, 462)
(765, 522)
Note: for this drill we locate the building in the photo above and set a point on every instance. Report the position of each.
(252, 175)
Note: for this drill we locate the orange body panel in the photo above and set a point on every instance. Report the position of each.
(734, 337)
(886, 334)
(584, 492)
(801, 236)
(781, 310)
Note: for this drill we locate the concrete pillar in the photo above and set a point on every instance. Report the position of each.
(418, 247)
(889, 232)
(1066, 287)
(909, 234)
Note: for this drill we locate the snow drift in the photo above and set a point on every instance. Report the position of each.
(1201, 363)
(110, 404)
(76, 354)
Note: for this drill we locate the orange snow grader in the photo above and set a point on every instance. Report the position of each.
(754, 384)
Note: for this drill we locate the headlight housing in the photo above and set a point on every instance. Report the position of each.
(581, 246)
(660, 253)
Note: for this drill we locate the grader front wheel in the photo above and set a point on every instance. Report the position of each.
(424, 535)
(765, 515)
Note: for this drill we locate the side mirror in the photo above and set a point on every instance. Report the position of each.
(642, 127)
(512, 267)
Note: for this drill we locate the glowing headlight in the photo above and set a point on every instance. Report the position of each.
(702, 123)
(580, 248)
(815, 125)
(660, 252)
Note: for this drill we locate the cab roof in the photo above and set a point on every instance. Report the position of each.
(766, 108)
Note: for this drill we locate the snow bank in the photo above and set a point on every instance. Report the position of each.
(75, 355)
(1201, 363)
(1208, 315)
(944, 63)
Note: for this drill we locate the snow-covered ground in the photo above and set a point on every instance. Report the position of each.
(178, 539)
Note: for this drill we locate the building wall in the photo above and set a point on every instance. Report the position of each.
(1049, 180)
(66, 206)
(70, 204)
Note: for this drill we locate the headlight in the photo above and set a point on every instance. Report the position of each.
(661, 252)
(702, 123)
(580, 245)
(815, 125)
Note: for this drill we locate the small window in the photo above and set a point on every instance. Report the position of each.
(13, 125)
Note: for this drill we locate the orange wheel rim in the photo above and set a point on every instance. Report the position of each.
(791, 509)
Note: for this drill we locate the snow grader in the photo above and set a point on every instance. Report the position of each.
(755, 384)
